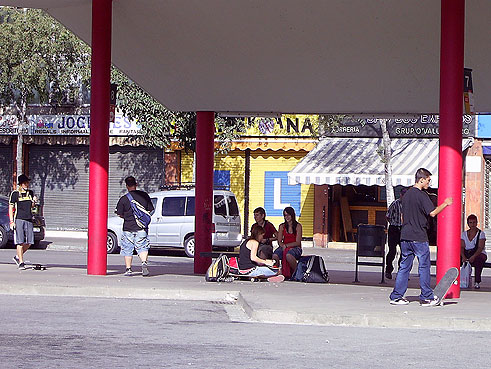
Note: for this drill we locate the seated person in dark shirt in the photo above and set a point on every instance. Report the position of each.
(249, 259)
(265, 250)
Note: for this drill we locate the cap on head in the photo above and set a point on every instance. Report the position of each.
(23, 179)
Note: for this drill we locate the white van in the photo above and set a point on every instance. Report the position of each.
(173, 222)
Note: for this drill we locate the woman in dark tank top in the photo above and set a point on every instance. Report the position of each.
(248, 258)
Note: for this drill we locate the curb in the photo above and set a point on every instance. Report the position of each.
(230, 297)
(126, 292)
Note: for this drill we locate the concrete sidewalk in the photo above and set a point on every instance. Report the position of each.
(339, 303)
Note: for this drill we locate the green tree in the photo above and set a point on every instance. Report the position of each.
(160, 126)
(40, 61)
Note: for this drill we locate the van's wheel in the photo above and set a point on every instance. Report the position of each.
(112, 243)
(3, 237)
(189, 247)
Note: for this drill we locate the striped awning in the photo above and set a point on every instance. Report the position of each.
(358, 161)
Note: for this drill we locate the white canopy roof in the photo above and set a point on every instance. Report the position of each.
(342, 56)
(358, 161)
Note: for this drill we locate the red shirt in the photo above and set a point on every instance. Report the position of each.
(269, 231)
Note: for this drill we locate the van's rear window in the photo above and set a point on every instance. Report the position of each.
(233, 208)
(220, 206)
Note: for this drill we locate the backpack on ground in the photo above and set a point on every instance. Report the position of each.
(219, 270)
(311, 269)
(142, 216)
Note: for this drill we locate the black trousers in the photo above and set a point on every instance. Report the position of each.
(394, 239)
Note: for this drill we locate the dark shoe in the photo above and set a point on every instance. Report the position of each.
(399, 301)
(21, 266)
(434, 302)
(128, 272)
(145, 271)
(16, 259)
(388, 275)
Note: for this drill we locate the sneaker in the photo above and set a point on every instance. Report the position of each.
(436, 301)
(145, 271)
(128, 272)
(477, 286)
(388, 275)
(276, 279)
(21, 266)
(399, 301)
(16, 259)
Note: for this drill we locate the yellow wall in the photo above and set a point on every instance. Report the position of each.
(261, 161)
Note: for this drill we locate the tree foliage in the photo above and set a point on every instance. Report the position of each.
(161, 125)
(39, 58)
(40, 61)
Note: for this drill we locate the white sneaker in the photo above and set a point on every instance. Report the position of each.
(434, 302)
(477, 286)
(399, 301)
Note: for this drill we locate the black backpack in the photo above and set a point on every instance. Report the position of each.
(311, 269)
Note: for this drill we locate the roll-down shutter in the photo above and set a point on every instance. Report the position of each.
(60, 178)
(143, 163)
(5, 169)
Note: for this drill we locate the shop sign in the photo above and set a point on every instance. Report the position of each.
(288, 125)
(65, 125)
(424, 126)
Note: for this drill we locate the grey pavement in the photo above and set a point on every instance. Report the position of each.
(338, 303)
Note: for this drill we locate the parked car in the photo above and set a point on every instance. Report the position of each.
(6, 234)
(173, 222)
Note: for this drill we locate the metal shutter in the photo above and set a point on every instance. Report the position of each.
(5, 169)
(60, 178)
(144, 163)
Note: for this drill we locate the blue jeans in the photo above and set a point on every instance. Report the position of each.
(262, 271)
(409, 249)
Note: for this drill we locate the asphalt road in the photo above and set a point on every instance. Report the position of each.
(64, 332)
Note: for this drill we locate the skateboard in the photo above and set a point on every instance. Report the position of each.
(35, 266)
(261, 278)
(445, 283)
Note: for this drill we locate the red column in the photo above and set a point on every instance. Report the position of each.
(99, 136)
(450, 163)
(205, 136)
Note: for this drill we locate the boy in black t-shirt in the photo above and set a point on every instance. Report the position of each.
(21, 203)
(134, 236)
(416, 207)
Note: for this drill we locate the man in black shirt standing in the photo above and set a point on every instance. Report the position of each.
(135, 236)
(416, 207)
(21, 203)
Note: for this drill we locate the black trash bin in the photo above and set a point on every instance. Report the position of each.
(370, 243)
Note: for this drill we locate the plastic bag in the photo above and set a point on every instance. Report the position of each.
(465, 275)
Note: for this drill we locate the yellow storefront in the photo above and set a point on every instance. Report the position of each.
(256, 170)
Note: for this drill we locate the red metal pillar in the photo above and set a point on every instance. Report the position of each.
(205, 136)
(99, 136)
(450, 163)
